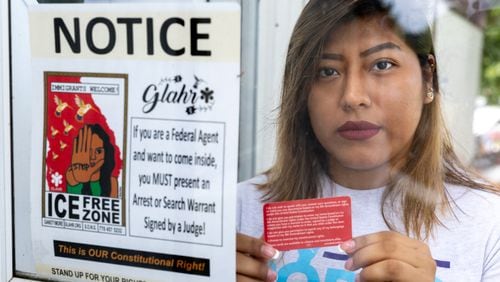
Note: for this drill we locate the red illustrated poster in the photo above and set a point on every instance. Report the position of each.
(85, 124)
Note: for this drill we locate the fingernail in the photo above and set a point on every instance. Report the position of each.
(268, 251)
(271, 276)
(347, 246)
(348, 264)
(340, 250)
(276, 254)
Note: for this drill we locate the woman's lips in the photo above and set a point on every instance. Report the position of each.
(358, 130)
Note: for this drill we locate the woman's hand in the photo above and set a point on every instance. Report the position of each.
(252, 256)
(389, 256)
(81, 166)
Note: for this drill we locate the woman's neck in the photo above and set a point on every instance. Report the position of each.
(361, 179)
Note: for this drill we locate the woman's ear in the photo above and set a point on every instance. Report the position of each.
(429, 70)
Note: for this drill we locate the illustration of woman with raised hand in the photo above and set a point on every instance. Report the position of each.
(92, 163)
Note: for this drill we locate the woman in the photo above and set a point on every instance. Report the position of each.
(360, 116)
(92, 164)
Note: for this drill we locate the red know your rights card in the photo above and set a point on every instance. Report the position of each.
(310, 223)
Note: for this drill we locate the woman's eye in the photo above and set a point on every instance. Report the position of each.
(328, 72)
(383, 65)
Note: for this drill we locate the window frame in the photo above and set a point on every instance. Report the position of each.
(6, 247)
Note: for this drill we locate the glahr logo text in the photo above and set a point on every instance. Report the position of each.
(196, 96)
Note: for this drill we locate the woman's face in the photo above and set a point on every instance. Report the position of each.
(96, 150)
(366, 102)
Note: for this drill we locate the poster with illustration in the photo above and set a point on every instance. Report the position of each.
(83, 159)
(134, 137)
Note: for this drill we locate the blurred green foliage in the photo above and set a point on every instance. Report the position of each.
(490, 81)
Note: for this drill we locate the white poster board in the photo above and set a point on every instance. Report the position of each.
(134, 141)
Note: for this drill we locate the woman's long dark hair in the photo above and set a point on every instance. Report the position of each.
(108, 165)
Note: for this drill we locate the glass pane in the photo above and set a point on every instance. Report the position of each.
(357, 100)
(344, 104)
(487, 114)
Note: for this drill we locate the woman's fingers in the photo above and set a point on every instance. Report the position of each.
(393, 270)
(254, 247)
(251, 259)
(390, 256)
(88, 139)
(253, 268)
(81, 139)
(389, 250)
(390, 241)
(243, 278)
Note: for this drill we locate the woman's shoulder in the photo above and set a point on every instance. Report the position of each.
(473, 199)
(467, 236)
(251, 186)
(249, 206)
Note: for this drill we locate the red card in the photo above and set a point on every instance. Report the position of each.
(310, 223)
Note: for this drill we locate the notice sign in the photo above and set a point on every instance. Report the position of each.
(83, 179)
(310, 223)
(175, 169)
(134, 142)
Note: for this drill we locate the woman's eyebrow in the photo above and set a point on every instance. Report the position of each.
(380, 47)
(367, 52)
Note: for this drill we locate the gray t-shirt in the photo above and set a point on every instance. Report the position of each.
(466, 248)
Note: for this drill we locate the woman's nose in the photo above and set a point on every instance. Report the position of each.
(355, 94)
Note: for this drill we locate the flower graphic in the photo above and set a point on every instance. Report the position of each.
(207, 94)
(56, 179)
